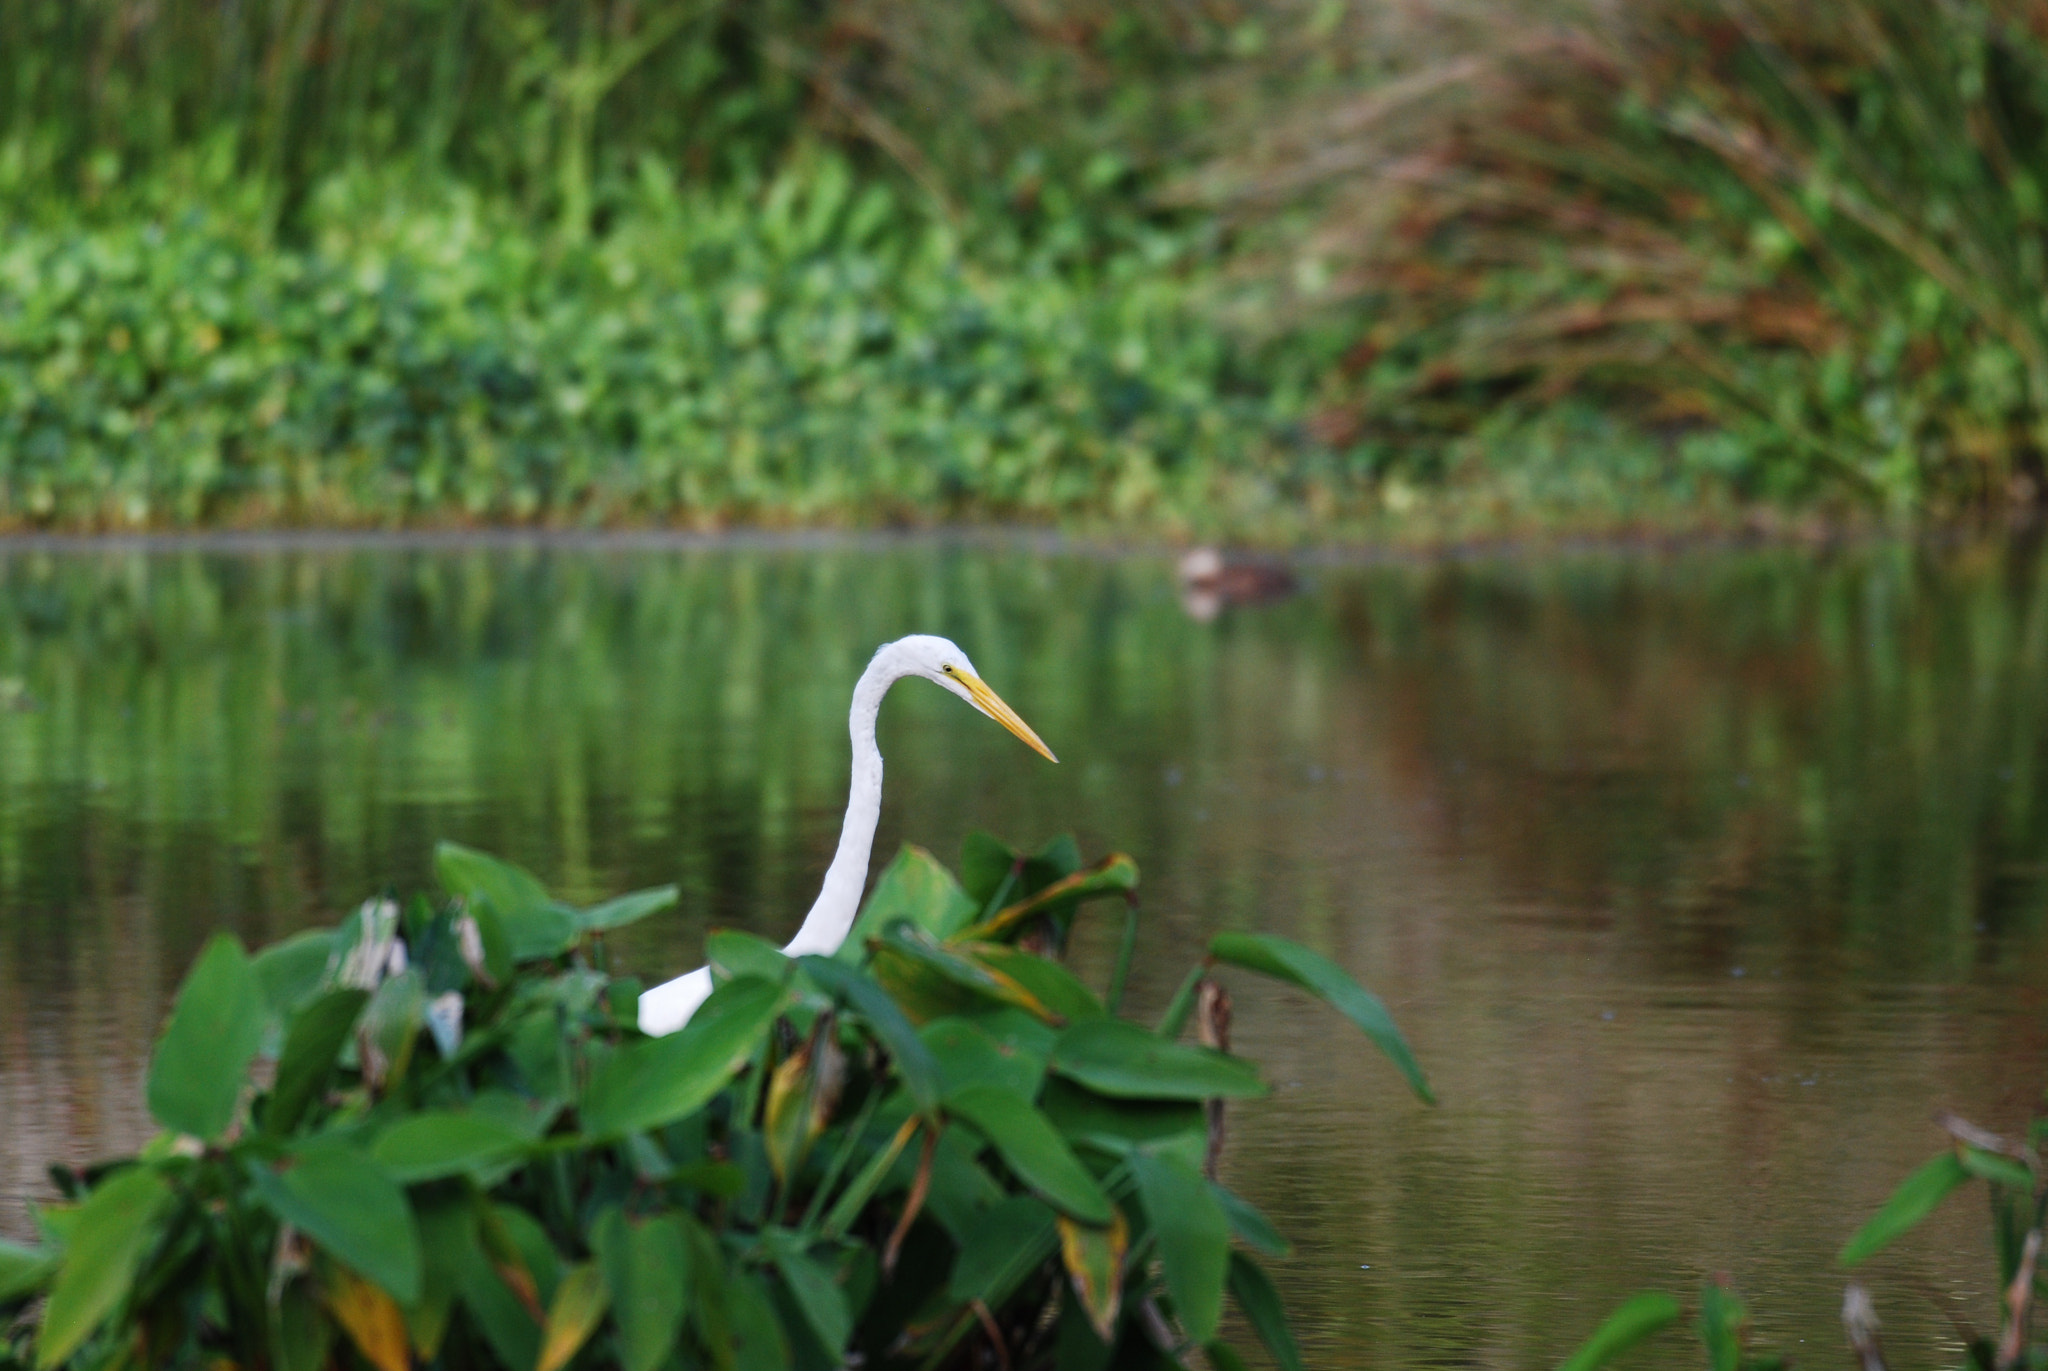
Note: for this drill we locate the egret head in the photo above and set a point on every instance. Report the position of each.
(941, 660)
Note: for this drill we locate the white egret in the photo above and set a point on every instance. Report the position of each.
(669, 1005)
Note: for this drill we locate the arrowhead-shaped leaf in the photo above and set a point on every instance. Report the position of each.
(1311, 971)
(653, 1083)
(216, 1027)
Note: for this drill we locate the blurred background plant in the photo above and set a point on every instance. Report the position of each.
(1250, 265)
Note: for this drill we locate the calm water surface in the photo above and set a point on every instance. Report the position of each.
(1699, 882)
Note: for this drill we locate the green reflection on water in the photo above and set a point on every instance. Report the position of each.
(1699, 881)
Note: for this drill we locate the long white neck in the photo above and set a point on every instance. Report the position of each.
(668, 1006)
(832, 913)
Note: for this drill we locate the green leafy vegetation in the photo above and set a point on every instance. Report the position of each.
(1271, 269)
(458, 1148)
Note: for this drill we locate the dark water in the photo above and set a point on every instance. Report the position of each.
(1699, 882)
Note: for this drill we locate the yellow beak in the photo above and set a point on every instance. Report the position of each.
(992, 705)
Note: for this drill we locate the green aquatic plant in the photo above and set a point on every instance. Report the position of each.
(433, 1135)
(2017, 1183)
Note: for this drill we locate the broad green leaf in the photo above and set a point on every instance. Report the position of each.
(1250, 1223)
(346, 1204)
(758, 1342)
(1639, 1317)
(962, 1191)
(1005, 1244)
(1051, 984)
(1094, 1258)
(1255, 1295)
(986, 861)
(930, 978)
(579, 1305)
(1117, 1057)
(533, 924)
(810, 1283)
(1194, 1238)
(913, 1062)
(1117, 1126)
(1113, 875)
(966, 1055)
(112, 1233)
(733, 953)
(915, 887)
(647, 1269)
(1030, 1148)
(312, 1044)
(216, 1028)
(1916, 1198)
(1323, 978)
(23, 1269)
(439, 1142)
(289, 972)
(1989, 1166)
(653, 1083)
(626, 909)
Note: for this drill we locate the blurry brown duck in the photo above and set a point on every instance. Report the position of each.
(1209, 581)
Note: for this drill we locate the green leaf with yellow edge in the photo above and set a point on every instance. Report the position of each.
(914, 886)
(111, 1233)
(216, 1028)
(649, 1084)
(1051, 984)
(1031, 1148)
(1917, 1197)
(579, 1306)
(1193, 1236)
(1118, 1058)
(369, 1316)
(1094, 1258)
(1639, 1317)
(929, 978)
(1115, 874)
(1289, 961)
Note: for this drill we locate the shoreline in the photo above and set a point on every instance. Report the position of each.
(1338, 549)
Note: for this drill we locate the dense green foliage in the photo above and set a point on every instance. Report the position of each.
(1266, 268)
(820, 355)
(936, 1148)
